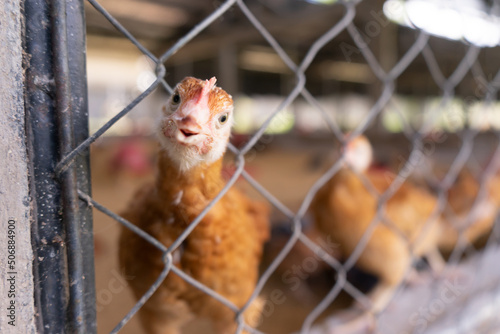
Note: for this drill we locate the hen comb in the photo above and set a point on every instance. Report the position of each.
(208, 85)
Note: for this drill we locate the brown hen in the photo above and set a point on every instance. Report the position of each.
(344, 208)
(223, 252)
(464, 215)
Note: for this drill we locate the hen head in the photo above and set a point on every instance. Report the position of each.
(196, 123)
(359, 154)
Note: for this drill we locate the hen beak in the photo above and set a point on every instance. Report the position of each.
(188, 129)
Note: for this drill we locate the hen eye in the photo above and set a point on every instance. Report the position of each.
(223, 119)
(176, 98)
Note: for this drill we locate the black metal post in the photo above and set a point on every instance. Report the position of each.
(76, 51)
(57, 118)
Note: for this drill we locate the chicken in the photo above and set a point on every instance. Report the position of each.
(224, 250)
(131, 158)
(458, 214)
(343, 209)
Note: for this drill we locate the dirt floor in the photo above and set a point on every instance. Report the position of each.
(119, 167)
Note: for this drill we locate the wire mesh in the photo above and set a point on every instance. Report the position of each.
(388, 84)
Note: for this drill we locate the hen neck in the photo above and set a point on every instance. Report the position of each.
(204, 177)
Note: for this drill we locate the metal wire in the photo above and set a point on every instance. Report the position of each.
(388, 81)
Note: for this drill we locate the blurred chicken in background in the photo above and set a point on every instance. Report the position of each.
(463, 215)
(130, 157)
(344, 208)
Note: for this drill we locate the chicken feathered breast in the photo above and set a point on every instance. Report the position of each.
(224, 250)
(344, 208)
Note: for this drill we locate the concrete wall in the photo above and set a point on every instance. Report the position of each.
(16, 279)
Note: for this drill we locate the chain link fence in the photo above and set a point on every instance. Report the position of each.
(419, 137)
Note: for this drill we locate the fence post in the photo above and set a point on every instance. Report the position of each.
(57, 119)
(17, 309)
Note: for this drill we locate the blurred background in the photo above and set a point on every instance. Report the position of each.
(298, 144)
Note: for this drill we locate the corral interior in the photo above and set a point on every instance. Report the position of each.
(298, 147)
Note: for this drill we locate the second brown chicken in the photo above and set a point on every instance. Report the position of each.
(466, 213)
(344, 208)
